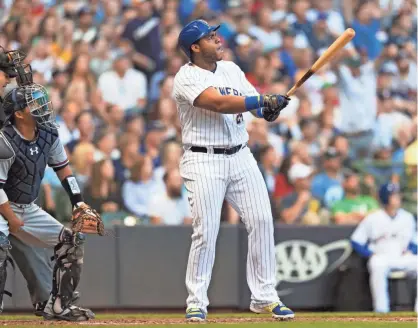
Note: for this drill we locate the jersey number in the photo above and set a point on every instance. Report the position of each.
(239, 118)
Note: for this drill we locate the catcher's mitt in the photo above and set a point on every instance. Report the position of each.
(86, 220)
(272, 106)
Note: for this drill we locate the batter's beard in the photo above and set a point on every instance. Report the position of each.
(174, 193)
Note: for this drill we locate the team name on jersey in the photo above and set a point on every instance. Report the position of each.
(224, 91)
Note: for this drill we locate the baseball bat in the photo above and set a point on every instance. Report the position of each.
(336, 46)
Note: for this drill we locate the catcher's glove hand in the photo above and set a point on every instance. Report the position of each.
(86, 220)
(272, 106)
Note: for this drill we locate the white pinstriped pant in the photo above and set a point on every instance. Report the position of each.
(209, 179)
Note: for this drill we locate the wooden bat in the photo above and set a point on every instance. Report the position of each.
(336, 46)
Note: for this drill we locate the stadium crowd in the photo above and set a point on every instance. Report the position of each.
(109, 68)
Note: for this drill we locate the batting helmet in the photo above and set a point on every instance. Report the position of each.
(386, 191)
(193, 32)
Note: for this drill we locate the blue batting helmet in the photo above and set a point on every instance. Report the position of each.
(193, 32)
(386, 191)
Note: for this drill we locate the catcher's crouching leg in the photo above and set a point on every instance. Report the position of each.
(66, 276)
(4, 251)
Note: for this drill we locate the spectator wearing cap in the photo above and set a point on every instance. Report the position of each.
(143, 32)
(404, 83)
(357, 84)
(320, 38)
(299, 206)
(353, 207)
(334, 19)
(242, 52)
(124, 86)
(170, 206)
(137, 189)
(326, 186)
(85, 30)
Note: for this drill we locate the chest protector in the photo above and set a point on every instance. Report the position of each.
(31, 158)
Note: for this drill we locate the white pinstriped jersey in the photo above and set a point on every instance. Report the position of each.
(201, 127)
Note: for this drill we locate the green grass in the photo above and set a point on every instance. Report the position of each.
(303, 320)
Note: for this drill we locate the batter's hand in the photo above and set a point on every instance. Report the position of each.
(273, 105)
(14, 224)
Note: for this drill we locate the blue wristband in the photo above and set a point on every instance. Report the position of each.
(252, 102)
(259, 112)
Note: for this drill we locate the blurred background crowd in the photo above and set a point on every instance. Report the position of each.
(109, 67)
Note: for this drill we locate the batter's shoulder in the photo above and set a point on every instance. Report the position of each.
(6, 150)
(227, 64)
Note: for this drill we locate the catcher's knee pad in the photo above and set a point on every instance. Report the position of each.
(4, 251)
(68, 256)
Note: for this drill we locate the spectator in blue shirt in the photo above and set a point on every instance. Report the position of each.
(143, 32)
(326, 186)
(137, 190)
(367, 25)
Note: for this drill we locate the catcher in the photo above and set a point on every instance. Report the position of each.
(28, 142)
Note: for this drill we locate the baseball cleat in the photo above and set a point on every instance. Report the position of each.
(72, 313)
(195, 315)
(278, 311)
(40, 306)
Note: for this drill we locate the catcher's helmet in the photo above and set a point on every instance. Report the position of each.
(193, 32)
(36, 98)
(386, 191)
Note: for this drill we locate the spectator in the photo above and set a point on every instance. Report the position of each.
(105, 142)
(357, 87)
(86, 129)
(82, 160)
(268, 164)
(124, 86)
(85, 30)
(67, 123)
(310, 135)
(137, 190)
(366, 24)
(129, 148)
(326, 186)
(172, 65)
(170, 207)
(334, 19)
(114, 118)
(171, 153)
(264, 31)
(242, 52)
(143, 32)
(354, 207)
(320, 38)
(387, 239)
(102, 191)
(300, 207)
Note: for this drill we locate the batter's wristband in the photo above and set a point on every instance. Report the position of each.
(73, 190)
(259, 112)
(253, 102)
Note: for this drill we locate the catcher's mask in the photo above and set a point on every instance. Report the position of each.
(35, 97)
(11, 62)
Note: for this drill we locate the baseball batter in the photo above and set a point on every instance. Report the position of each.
(27, 144)
(211, 96)
(387, 238)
